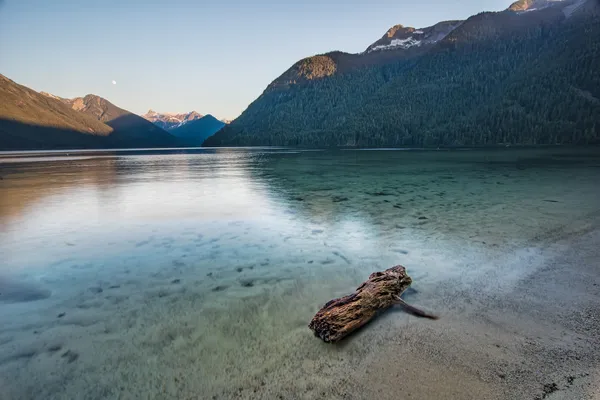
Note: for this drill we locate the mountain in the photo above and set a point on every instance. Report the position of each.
(526, 75)
(533, 5)
(170, 120)
(401, 38)
(399, 43)
(195, 132)
(130, 129)
(32, 120)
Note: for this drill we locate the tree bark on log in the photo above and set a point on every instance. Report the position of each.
(340, 317)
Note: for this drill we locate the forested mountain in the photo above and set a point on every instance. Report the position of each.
(527, 75)
(31, 120)
(193, 133)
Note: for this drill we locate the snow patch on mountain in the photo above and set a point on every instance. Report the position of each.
(400, 37)
(170, 120)
(398, 43)
(50, 95)
(173, 120)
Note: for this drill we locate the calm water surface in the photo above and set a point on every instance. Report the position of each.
(178, 274)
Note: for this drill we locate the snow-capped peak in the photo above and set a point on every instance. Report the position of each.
(401, 37)
(171, 120)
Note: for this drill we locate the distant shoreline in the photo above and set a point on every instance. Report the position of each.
(406, 148)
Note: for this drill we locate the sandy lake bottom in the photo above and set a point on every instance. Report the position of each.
(194, 274)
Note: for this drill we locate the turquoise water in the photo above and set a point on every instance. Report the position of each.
(174, 274)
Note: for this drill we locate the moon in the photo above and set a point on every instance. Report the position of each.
(114, 82)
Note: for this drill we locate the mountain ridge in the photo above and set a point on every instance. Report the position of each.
(34, 120)
(15, 105)
(130, 128)
(169, 121)
(395, 44)
(403, 37)
(194, 133)
(454, 94)
(174, 120)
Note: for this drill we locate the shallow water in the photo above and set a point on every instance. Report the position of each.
(158, 274)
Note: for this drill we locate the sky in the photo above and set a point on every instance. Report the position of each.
(176, 56)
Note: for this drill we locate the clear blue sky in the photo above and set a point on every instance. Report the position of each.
(180, 55)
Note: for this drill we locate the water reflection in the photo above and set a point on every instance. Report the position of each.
(87, 202)
(386, 196)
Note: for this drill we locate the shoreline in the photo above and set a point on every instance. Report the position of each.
(33, 152)
(536, 338)
(539, 339)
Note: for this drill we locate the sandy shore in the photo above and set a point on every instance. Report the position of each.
(536, 337)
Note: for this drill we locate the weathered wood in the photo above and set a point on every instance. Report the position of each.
(340, 317)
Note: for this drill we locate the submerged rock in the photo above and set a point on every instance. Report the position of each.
(12, 291)
(247, 283)
(339, 199)
(70, 355)
(54, 348)
(379, 194)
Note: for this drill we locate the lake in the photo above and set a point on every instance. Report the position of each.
(194, 273)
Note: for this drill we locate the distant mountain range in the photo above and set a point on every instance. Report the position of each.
(195, 132)
(526, 75)
(30, 120)
(191, 129)
(170, 120)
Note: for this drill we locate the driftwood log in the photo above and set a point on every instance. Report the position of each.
(340, 317)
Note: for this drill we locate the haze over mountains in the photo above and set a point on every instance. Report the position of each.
(526, 75)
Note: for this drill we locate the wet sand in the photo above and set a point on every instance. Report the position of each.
(538, 338)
